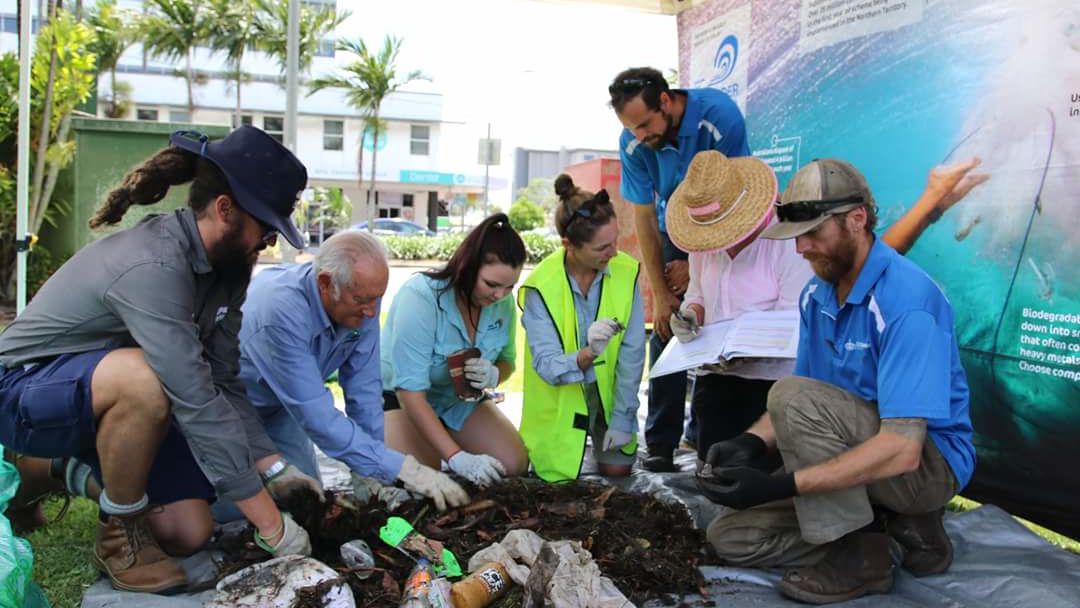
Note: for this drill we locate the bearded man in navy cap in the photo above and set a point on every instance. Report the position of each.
(128, 359)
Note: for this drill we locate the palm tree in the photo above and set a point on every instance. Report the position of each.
(172, 30)
(234, 32)
(272, 27)
(114, 32)
(367, 82)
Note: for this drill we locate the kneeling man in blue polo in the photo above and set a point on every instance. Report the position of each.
(873, 427)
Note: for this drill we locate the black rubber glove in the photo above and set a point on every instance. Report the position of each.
(745, 450)
(745, 487)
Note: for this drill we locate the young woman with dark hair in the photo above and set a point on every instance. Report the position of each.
(435, 315)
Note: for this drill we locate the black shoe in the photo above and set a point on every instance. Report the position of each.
(927, 548)
(660, 464)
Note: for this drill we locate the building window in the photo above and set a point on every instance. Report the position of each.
(275, 127)
(179, 116)
(406, 200)
(333, 135)
(326, 48)
(150, 114)
(419, 138)
(245, 120)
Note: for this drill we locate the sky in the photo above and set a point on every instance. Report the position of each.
(536, 70)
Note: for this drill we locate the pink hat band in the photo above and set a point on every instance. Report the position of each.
(710, 208)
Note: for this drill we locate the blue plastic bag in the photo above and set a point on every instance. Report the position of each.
(17, 589)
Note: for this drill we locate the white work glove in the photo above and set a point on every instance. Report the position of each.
(600, 333)
(614, 440)
(480, 469)
(367, 489)
(289, 480)
(294, 539)
(684, 326)
(481, 373)
(431, 483)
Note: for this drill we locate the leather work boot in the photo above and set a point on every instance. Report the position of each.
(127, 553)
(927, 548)
(35, 487)
(857, 564)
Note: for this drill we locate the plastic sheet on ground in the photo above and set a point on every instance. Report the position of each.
(998, 563)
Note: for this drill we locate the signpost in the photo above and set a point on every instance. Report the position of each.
(489, 153)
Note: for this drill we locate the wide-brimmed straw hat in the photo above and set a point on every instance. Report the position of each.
(720, 202)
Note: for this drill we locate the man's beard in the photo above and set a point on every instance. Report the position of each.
(231, 260)
(670, 135)
(834, 265)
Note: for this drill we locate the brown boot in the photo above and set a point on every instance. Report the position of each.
(35, 487)
(127, 553)
(855, 565)
(927, 548)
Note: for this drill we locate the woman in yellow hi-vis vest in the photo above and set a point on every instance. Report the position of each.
(586, 334)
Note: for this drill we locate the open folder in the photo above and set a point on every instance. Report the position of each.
(772, 334)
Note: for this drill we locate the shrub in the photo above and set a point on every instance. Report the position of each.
(538, 246)
(526, 215)
(408, 247)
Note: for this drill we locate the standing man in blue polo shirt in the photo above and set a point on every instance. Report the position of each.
(663, 129)
(301, 324)
(873, 427)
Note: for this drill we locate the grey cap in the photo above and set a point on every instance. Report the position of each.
(820, 181)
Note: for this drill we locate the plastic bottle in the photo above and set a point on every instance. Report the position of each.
(439, 594)
(415, 594)
(485, 585)
(357, 555)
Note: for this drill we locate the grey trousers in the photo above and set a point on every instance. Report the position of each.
(815, 421)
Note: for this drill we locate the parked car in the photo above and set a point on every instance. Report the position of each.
(396, 227)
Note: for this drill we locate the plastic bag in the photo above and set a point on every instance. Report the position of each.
(17, 590)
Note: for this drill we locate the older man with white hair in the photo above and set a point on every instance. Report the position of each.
(302, 323)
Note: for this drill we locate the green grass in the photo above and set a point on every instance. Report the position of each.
(62, 553)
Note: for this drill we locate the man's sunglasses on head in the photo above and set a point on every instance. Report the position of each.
(804, 211)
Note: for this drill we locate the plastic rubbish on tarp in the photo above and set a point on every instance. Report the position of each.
(358, 557)
(561, 574)
(482, 587)
(275, 582)
(17, 590)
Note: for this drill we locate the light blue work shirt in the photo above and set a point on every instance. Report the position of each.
(892, 343)
(289, 346)
(711, 121)
(555, 366)
(423, 327)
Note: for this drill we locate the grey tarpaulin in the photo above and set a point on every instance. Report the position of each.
(998, 563)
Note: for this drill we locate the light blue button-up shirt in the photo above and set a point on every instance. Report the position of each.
(555, 366)
(289, 346)
(423, 327)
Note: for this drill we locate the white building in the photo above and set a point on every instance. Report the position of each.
(422, 159)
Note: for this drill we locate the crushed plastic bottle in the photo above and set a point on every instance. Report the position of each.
(358, 557)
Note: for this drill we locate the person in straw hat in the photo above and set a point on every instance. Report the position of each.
(716, 214)
(582, 311)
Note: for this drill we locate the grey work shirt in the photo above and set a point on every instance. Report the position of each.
(152, 286)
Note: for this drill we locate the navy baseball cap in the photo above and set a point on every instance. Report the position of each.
(265, 177)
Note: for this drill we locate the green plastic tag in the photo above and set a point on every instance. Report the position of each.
(449, 566)
(395, 531)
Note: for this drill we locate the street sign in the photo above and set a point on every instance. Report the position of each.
(490, 151)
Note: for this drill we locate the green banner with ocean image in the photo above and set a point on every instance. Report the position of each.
(898, 87)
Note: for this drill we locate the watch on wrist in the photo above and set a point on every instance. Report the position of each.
(273, 470)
